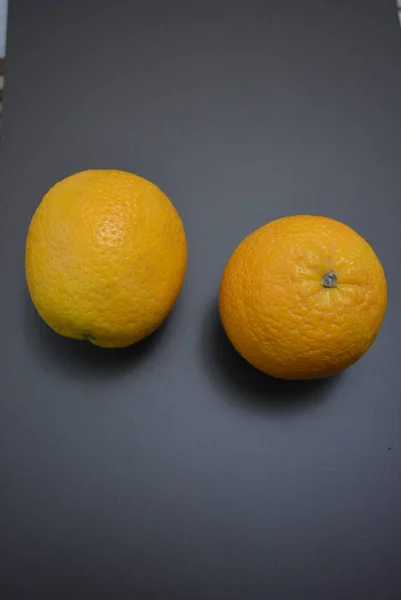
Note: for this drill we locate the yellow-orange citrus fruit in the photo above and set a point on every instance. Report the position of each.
(303, 297)
(105, 257)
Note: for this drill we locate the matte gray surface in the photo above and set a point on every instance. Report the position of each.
(173, 470)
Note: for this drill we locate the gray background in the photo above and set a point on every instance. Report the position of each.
(173, 470)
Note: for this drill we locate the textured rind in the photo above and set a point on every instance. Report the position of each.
(105, 257)
(278, 315)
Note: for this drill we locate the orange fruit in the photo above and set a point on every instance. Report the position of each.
(105, 257)
(303, 297)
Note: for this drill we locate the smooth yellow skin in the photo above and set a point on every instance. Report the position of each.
(276, 310)
(105, 257)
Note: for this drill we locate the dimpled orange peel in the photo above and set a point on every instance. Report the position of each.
(105, 257)
(303, 297)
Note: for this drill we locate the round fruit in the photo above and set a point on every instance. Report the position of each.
(105, 257)
(303, 297)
